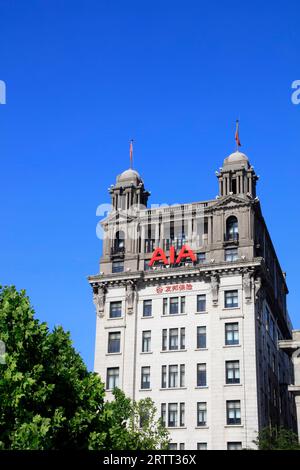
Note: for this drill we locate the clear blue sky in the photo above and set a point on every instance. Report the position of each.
(83, 77)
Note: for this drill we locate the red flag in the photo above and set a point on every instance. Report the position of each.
(237, 137)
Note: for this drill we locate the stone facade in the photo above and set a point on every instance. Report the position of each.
(218, 319)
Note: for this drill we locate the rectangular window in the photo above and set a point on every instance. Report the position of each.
(174, 305)
(163, 376)
(231, 299)
(173, 415)
(145, 377)
(173, 376)
(114, 342)
(163, 413)
(201, 414)
(165, 306)
(201, 337)
(146, 341)
(173, 339)
(164, 339)
(182, 304)
(115, 309)
(118, 266)
(233, 412)
(147, 308)
(201, 445)
(231, 254)
(201, 257)
(112, 378)
(182, 375)
(232, 372)
(234, 446)
(172, 446)
(181, 446)
(182, 338)
(182, 414)
(231, 333)
(201, 375)
(201, 303)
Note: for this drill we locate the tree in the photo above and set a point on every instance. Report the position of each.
(48, 398)
(272, 438)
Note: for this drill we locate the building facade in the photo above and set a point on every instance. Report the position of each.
(191, 303)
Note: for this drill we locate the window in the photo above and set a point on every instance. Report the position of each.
(182, 338)
(146, 341)
(117, 266)
(232, 230)
(173, 339)
(234, 446)
(182, 304)
(232, 372)
(181, 414)
(231, 299)
(201, 303)
(182, 375)
(201, 414)
(201, 337)
(173, 305)
(112, 378)
(181, 446)
(231, 333)
(201, 258)
(115, 309)
(165, 306)
(146, 265)
(231, 254)
(172, 415)
(147, 308)
(172, 446)
(163, 413)
(114, 342)
(119, 242)
(233, 412)
(145, 377)
(201, 375)
(163, 376)
(201, 445)
(173, 376)
(164, 339)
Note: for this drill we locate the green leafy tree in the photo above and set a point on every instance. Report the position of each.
(48, 398)
(272, 438)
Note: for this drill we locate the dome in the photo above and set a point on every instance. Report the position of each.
(236, 159)
(129, 176)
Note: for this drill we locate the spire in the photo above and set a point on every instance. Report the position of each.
(237, 137)
(131, 153)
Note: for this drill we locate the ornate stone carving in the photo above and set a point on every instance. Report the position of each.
(99, 299)
(247, 285)
(257, 284)
(214, 285)
(130, 296)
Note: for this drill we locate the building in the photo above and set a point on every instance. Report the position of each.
(197, 331)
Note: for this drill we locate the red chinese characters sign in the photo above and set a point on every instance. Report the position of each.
(174, 288)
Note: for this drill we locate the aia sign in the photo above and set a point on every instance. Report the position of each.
(185, 253)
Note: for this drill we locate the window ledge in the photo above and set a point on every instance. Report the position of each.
(201, 386)
(113, 354)
(145, 390)
(146, 352)
(174, 350)
(173, 388)
(233, 385)
(174, 315)
(201, 349)
(232, 345)
(230, 308)
(233, 426)
(201, 313)
(175, 427)
(149, 316)
(201, 427)
(116, 318)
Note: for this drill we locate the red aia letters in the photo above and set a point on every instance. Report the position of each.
(159, 255)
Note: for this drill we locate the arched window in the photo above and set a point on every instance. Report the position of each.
(119, 243)
(232, 229)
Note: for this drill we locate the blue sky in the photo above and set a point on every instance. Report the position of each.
(84, 77)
